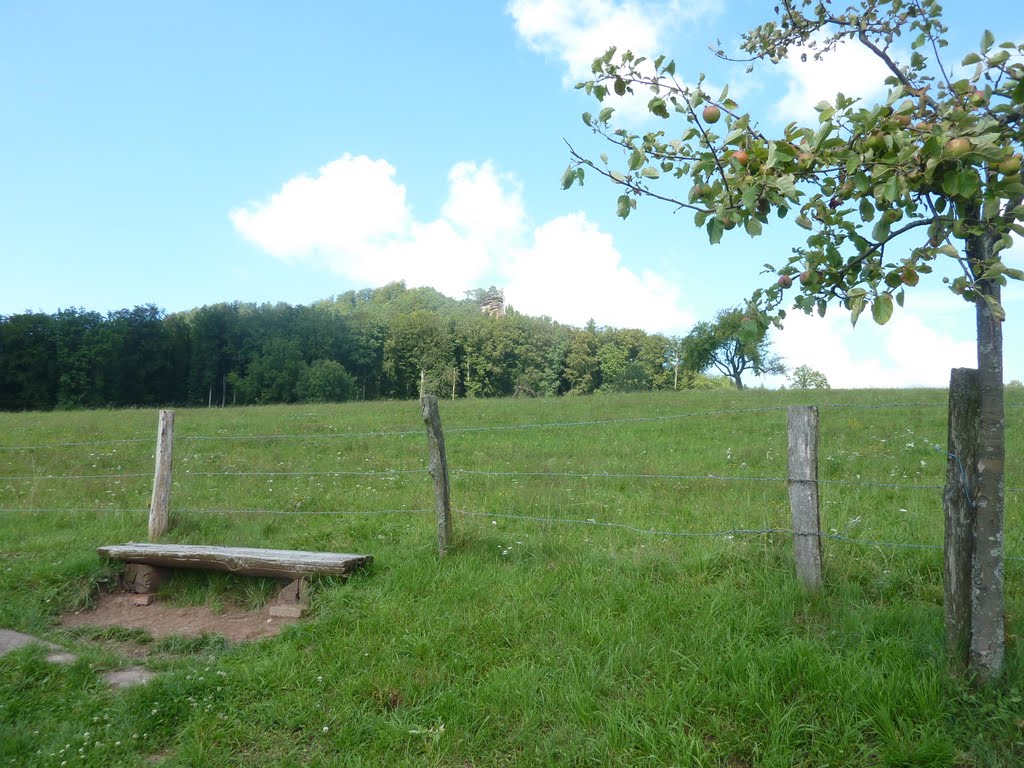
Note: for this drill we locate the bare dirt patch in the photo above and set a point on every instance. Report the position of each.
(117, 610)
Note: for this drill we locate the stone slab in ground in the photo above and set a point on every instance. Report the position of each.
(11, 641)
(125, 678)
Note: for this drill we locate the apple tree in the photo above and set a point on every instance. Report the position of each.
(722, 346)
(805, 377)
(884, 190)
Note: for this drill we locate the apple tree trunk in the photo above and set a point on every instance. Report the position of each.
(987, 603)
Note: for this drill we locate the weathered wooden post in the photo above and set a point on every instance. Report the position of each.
(958, 508)
(439, 471)
(803, 493)
(161, 501)
(973, 571)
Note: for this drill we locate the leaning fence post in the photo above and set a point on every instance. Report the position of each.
(960, 515)
(439, 471)
(161, 501)
(803, 493)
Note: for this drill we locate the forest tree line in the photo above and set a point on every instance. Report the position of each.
(369, 344)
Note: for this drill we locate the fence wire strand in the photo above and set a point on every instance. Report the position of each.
(113, 510)
(726, 533)
(538, 425)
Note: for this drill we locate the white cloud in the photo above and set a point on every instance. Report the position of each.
(906, 352)
(328, 213)
(573, 272)
(352, 219)
(850, 69)
(578, 31)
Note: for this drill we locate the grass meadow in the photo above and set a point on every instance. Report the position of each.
(574, 623)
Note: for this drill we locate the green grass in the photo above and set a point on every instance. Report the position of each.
(544, 642)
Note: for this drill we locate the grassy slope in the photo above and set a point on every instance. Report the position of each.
(556, 643)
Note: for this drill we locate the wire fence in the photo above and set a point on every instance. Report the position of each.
(188, 475)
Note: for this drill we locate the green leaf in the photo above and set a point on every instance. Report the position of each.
(753, 227)
(650, 172)
(856, 307)
(881, 308)
(617, 177)
(994, 307)
(880, 231)
(867, 210)
(987, 40)
(636, 159)
(804, 222)
(568, 177)
(950, 184)
(588, 118)
(620, 86)
(892, 188)
(715, 229)
(605, 114)
(948, 250)
(624, 206)
(657, 107)
(971, 58)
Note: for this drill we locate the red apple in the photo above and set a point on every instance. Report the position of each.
(958, 147)
(712, 114)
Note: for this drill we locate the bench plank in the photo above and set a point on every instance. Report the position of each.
(276, 563)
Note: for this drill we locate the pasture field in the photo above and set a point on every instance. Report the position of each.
(572, 624)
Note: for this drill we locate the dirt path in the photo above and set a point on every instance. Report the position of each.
(117, 610)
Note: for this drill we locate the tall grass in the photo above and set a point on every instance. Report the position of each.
(572, 623)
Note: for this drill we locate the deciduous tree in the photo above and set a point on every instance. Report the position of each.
(884, 190)
(722, 346)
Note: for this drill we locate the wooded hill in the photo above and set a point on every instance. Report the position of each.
(368, 344)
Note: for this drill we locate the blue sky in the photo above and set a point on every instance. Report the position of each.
(190, 153)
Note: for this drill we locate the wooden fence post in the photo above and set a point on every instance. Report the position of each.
(971, 571)
(439, 471)
(161, 501)
(803, 493)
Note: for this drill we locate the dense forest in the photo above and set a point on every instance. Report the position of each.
(376, 343)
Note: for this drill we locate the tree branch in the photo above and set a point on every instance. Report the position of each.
(636, 188)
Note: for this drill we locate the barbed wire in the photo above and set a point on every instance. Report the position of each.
(613, 475)
(742, 478)
(317, 473)
(75, 444)
(137, 511)
(73, 510)
(623, 526)
(487, 473)
(353, 513)
(725, 533)
(297, 436)
(505, 427)
(73, 477)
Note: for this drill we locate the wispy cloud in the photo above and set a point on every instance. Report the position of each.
(850, 69)
(577, 31)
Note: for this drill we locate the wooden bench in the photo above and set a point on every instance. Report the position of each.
(145, 561)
